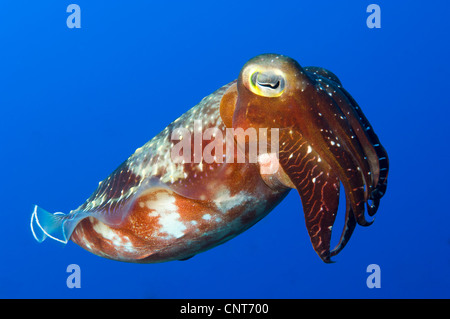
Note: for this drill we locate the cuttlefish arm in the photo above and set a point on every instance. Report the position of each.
(324, 140)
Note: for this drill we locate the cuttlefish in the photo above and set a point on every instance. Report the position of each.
(162, 205)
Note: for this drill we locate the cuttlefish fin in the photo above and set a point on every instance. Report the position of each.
(57, 226)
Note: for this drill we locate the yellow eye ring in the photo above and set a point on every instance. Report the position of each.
(266, 83)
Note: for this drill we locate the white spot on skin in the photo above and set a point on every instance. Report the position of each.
(269, 163)
(171, 225)
(119, 241)
(167, 212)
(225, 202)
(206, 217)
(309, 149)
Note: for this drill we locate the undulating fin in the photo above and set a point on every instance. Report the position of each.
(57, 226)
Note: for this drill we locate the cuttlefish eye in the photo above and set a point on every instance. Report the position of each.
(267, 83)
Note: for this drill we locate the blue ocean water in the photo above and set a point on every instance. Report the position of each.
(75, 103)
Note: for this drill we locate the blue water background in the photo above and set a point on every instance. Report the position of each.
(75, 103)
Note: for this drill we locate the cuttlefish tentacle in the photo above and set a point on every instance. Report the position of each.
(317, 186)
(349, 227)
(345, 154)
(352, 137)
(380, 160)
(374, 152)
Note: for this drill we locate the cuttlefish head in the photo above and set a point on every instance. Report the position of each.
(324, 140)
